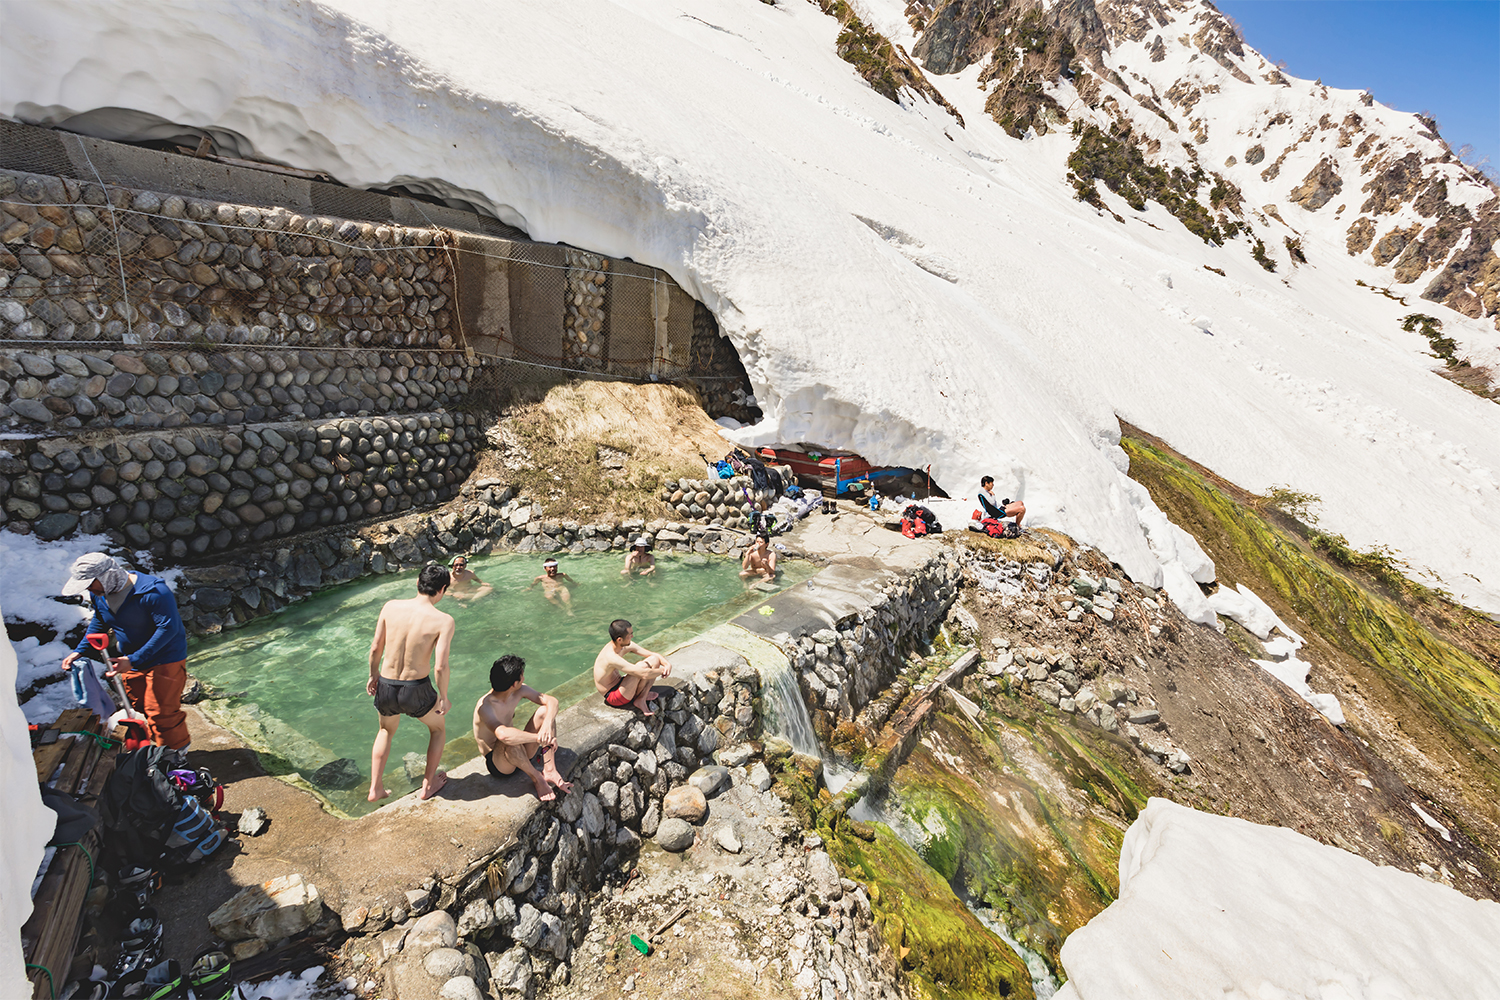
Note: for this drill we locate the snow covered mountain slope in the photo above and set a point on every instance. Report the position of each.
(922, 291)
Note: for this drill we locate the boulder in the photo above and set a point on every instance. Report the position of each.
(477, 916)
(674, 834)
(736, 755)
(760, 777)
(253, 821)
(710, 780)
(725, 837)
(510, 973)
(339, 774)
(824, 875)
(271, 911)
(685, 802)
(445, 963)
(461, 988)
(432, 930)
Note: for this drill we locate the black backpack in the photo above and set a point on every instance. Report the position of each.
(140, 803)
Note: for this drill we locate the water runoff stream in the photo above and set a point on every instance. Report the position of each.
(787, 717)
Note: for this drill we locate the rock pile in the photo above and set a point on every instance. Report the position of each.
(514, 919)
(725, 502)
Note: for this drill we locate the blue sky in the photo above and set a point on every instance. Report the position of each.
(1438, 56)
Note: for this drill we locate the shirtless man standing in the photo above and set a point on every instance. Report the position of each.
(412, 640)
(624, 683)
(552, 587)
(466, 584)
(504, 746)
(759, 559)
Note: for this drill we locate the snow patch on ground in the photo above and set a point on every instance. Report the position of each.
(1215, 906)
(28, 825)
(1243, 605)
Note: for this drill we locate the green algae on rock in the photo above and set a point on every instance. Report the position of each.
(943, 947)
(1421, 675)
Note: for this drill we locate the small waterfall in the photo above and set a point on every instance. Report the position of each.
(1043, 983)
(786, 713)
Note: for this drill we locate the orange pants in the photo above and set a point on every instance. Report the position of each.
(157, 693)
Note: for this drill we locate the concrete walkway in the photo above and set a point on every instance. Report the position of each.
(375, 858)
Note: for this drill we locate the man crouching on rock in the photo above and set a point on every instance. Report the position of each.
(624, 683)
(507, 748)
(412, 640)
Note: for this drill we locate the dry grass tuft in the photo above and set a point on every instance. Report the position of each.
(1023, 549)
(551, 447)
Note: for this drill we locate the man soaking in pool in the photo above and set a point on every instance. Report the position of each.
(624, 683)
(552, 585)
(507, 748)
(411, 643)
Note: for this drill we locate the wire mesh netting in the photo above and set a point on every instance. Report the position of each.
(91, 265)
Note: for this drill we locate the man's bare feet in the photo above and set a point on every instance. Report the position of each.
(437, 785)
(641, 702)
(543, 790)
(556, 778)
(377, 792)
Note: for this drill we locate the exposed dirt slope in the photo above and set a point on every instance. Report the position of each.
(590, 448)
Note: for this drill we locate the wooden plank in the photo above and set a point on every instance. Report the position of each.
(82, 757)
(48, 757)
(50, 935)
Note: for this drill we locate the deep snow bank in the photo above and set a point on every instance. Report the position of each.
(923, 293)
(27, 828)
(1214, 906)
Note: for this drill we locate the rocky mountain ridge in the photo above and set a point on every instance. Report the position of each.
(1294, 164)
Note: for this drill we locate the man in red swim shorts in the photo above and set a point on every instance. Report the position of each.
(624, 683)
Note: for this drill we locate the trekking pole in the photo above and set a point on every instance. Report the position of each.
(101, 643)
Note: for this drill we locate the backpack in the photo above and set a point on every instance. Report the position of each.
(996, 528)
(724, 470)
(917, 521)
(140, 803)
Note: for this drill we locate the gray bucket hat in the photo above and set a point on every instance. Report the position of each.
(86, 569)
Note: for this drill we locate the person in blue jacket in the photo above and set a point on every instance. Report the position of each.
(141, 612)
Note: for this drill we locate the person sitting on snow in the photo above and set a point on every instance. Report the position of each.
(1001, 509)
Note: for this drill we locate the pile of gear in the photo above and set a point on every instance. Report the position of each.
(159, 816)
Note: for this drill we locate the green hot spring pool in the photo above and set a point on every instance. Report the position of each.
(295, 681)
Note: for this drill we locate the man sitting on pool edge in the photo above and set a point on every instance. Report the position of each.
(507, 748)
(624, 683)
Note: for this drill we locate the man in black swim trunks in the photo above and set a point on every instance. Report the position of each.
(507, 749)
(411, 644)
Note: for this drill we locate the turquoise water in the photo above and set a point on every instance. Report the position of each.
(296, 680)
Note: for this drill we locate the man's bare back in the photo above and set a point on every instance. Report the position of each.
(411, 644)
(412, 628)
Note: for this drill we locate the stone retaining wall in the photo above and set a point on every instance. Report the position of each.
(188, 492)
(487, 516)
(92, 389)
(719, 502)
(214, 270)
(842, 669)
